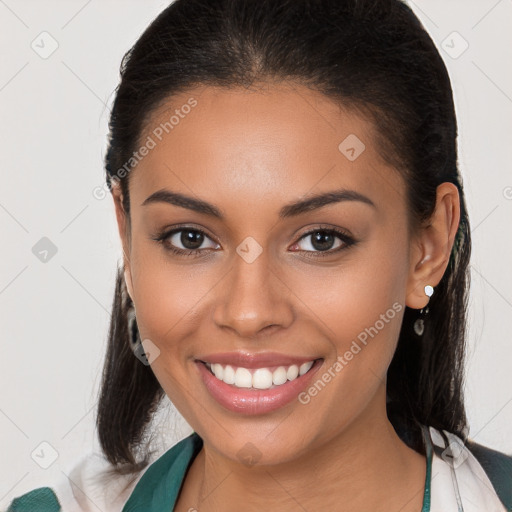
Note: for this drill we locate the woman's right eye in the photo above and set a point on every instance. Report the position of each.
(191, 240)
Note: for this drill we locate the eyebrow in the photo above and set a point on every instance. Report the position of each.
(290, 210)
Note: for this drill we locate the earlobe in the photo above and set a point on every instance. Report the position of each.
(421, 273)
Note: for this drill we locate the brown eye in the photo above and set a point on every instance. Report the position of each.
(190, 239)
(321, 240)
(186, 241)
(327, 241)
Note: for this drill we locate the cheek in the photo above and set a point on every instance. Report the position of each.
(170, 302)
(352, 297)
(164, 293)
(359, 307)
(167, 297)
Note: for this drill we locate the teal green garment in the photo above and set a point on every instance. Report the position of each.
(158, 488)
(498, 467)
(40, 500)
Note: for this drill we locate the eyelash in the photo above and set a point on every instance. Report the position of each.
(347, 240)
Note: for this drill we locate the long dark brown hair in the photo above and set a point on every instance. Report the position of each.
(371, 55)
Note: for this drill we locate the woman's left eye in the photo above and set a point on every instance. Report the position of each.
(322, 241)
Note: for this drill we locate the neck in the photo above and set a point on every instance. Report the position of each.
(366, 466)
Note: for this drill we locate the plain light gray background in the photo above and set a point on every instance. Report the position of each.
(54, 314)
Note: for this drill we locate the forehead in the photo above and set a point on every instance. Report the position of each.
(259, 144)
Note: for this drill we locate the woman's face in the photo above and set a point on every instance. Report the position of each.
(269, 286)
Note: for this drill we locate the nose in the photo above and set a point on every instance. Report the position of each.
(254, 300)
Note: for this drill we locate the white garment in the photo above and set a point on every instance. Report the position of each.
(462, 486)
(90, 487)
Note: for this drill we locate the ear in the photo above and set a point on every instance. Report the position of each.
(432, 246)
(123, 228)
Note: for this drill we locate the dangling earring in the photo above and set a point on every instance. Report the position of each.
(419, 324)
(139, 351)
(133, 330)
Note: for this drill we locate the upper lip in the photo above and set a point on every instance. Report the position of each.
(259, 360)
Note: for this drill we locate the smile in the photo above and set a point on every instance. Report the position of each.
(255, 384)
(259, 378)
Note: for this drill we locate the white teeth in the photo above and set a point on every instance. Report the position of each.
(243, 378)
(229, 375)
(305, 367)
(260, 378)
(279, 376)
(293, 372)
(218, 370)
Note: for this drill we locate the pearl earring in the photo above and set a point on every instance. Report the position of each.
(419, 324)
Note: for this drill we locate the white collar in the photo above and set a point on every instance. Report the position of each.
(458, 481)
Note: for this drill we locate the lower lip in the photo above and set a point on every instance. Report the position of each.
(255, 401)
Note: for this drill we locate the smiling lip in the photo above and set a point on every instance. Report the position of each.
(251, 401)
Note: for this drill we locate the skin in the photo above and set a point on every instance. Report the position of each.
(250, 152)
